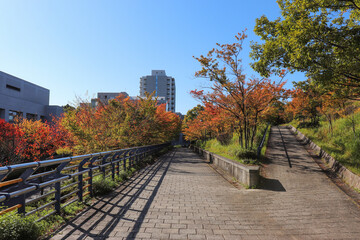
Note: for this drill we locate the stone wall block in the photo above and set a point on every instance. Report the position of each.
(248, 175)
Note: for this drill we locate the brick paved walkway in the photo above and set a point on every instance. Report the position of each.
(181, 197)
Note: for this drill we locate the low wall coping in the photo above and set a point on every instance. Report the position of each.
(243, 166)
(250, 174)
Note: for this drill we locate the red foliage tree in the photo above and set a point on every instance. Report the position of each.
(11, 143)
(40, 139)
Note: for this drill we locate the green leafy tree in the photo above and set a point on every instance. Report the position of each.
(318, 37)
(192, 114)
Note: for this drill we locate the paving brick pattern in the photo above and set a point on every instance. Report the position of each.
(181, 197)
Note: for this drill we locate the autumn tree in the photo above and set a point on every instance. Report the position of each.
(245, 100)
(81, 124)
(318, 37)
(304, 104)
(147, 122)
(276, 113)
(209, 121)
(11, 143)
(40, 139)
(310, 101)
(120, 123)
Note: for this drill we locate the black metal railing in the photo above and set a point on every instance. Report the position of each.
(63, 180)
(261, 145)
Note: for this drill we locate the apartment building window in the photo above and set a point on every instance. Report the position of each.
(30, 116)
(2, 113)
(12, 87)
(13, 115)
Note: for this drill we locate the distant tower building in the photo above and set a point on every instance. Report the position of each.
(162, 85)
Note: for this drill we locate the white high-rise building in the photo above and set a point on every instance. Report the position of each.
(162, 85)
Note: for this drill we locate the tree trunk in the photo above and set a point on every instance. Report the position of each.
(254, 130)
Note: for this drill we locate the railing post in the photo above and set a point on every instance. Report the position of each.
(137, 156)
(80, 178)
(91, 176)
(80, 187)
(21, 210)
(103, 161)
(262, 143)
(41, 190)
(24, 176)
(58, 187)
(124, 160)
(103, 169)
(130, 159)
(113, 167)
(58, 197)
(118, 165)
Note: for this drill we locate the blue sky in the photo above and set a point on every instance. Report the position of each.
(81, 47)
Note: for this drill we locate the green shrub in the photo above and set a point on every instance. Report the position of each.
(309, 124)
(102, 186)
(224, 138)
(246, 154)
(131, 171)
(64, 152)
(123, 176)
(16, 227)
(72, 209)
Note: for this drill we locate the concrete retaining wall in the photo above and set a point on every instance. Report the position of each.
(349, 177)
(248, 175)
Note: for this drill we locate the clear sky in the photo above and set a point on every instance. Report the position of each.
(81, 47)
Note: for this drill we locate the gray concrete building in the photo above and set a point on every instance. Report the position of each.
(162, 85)
(24, 99)
(104, 97)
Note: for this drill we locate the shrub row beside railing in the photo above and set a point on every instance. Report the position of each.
(63, 180)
